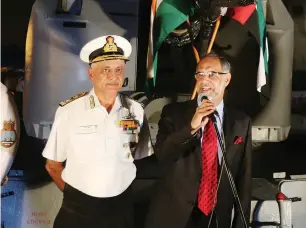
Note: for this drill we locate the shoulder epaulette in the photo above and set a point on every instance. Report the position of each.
(63, 103)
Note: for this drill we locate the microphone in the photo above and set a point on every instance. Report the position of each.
(200, 99)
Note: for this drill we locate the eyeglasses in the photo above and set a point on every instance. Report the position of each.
(210, 74)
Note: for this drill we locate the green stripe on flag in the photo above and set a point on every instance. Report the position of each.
(262, 33)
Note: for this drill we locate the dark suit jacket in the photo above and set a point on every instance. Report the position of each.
(180, 155)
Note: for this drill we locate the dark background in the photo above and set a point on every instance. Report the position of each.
(14, 24)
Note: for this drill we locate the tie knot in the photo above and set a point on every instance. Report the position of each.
(209, 124)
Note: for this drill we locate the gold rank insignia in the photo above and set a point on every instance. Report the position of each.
(92, 101)
(63, 103)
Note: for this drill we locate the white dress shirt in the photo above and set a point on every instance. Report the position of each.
(96, 148)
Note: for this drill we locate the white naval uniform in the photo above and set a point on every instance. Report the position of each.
(96, 150)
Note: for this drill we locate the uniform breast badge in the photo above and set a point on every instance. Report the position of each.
(131, 128)
(129, 124)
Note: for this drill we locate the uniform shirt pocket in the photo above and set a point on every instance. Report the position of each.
(86, 129)
(84, 142)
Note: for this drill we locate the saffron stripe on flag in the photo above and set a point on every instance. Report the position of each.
(241, 13)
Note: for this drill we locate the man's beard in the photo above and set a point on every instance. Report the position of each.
(211, 93)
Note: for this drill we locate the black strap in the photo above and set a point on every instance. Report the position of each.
(124, 102)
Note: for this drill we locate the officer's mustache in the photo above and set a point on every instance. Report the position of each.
(117, 82)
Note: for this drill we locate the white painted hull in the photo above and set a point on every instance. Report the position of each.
(10, 131)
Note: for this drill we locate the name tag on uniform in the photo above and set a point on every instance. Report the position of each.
(88, 129)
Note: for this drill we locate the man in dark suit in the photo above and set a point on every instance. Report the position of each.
(195, 190)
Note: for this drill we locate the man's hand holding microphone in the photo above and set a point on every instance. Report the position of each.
(201, 116)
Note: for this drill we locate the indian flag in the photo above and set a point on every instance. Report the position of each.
(264, 52)
(166, 15)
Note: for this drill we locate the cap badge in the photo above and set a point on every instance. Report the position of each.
(110, 46)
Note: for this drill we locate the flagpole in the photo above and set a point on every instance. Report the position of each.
(212, 40)
(150, 58)
(195, 51)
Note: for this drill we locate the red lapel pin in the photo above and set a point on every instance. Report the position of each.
(238, 140)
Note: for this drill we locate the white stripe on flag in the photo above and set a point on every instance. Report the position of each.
(267, 49)
(261, 73)
(150, 72)
(150, 69)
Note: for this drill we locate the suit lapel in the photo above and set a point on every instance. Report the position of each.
(228, 126)
(229, 132)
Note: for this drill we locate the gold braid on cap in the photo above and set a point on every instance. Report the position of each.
(108, 57)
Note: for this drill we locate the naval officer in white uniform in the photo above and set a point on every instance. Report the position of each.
(98, 135)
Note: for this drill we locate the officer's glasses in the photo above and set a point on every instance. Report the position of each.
(209, 74)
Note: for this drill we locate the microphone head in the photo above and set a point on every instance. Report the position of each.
(201, 97)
